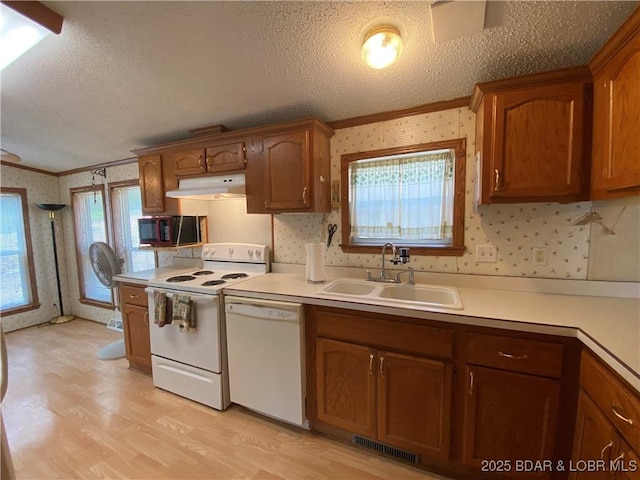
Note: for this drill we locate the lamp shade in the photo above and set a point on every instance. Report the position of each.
(51, 207)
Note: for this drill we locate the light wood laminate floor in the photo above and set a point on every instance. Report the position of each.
(70, 415)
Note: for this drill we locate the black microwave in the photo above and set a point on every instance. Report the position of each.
(169, 231)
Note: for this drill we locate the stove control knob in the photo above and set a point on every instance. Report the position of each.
(231, 251)
(211, 252)
(205, 251)
(258, 253)
(250, 253)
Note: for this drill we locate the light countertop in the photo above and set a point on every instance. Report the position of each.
(609, 326)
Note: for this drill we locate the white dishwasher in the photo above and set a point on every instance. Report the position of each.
(265, 347)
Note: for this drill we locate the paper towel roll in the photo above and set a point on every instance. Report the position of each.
(314, 272)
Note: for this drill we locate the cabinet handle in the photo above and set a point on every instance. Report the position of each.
(131, 295)
(382, 366)
(146, 317)
(513, 357)
(620, 416)
(618, 458)
(498, 184)
(304, 195)
(606, 447)
(371, 363)
(471, 384)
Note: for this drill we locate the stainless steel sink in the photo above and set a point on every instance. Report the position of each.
(375, 293)
(422, 295)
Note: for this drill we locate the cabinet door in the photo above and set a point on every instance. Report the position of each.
(136, 332)
(414, 403)
(538, 143)
(190, 163)
(593, 439)
(287, 172)
(346, 386)
(616, 126)
(151, 186)
(221, 158)
(509, 416)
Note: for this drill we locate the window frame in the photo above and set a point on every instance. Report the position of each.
(456, 248)
(111, 222)
(34, 304)
(83, 299)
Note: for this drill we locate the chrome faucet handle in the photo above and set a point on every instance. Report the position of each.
(412, 276)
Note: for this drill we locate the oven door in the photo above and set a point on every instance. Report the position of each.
(200, 347)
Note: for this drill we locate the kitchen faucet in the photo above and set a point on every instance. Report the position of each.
(402, 258)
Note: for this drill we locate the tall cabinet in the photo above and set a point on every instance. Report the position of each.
(616, 114)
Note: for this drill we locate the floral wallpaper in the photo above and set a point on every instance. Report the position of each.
(514, 229)
(41, 188)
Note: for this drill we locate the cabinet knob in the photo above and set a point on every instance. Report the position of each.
(304, 195)
(471, 384)
(146, 317)
(382, 366)
(371, 356)
(131, 295)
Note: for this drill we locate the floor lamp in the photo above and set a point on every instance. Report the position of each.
(52, 208)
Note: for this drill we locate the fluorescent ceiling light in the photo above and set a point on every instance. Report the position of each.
(17, 35)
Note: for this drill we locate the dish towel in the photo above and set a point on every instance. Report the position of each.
(160, 310)
(183, 312)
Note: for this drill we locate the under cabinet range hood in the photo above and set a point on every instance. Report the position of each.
(210, 188)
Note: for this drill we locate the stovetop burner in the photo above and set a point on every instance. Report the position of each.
(203, 272)
(212, 283)
(180, 278)
(232, 276)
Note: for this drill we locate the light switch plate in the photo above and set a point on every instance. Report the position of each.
(486, 254)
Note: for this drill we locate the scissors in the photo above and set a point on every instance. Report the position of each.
(331, 229)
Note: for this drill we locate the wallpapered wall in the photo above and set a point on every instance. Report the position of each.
(513, 229)
(41, 188)
(573, 252)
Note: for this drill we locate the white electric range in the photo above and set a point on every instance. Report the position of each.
(193, 364)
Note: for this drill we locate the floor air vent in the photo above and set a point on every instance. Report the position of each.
(385, 449)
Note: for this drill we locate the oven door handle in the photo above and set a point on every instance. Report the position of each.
(193, 297)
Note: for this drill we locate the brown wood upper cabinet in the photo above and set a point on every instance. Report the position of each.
(212, 159)
(616, 114)
(533, 137)
(156, 173)
(293, 172)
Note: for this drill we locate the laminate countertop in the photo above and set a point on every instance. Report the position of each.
(609, 326)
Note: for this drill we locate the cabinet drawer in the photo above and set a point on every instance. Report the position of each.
(405, 337)
(618, 402)
(133, 295)
(515, 354)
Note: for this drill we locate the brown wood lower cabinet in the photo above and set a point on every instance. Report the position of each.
(135, 318)
(398, 399)
(461, 398)
(510, 417)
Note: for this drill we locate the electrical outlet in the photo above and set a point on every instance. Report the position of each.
(486, 254)
(539, 256)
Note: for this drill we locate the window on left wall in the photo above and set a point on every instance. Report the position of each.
(18, 291)
(90, 226)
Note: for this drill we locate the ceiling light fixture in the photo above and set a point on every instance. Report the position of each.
(6, 156)
(22, 26)
(382, 46)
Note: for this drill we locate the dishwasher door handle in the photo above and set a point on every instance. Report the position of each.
(266, 312)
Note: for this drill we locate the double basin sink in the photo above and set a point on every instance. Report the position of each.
(433, 296)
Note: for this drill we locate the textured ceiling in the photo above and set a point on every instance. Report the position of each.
(124, 75)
